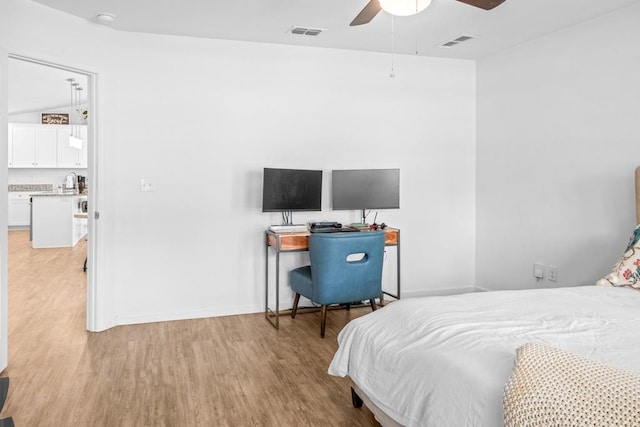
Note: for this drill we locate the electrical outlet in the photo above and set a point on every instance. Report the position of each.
(553, 273)
(538, 271)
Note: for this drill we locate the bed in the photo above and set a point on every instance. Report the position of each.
(461, 360)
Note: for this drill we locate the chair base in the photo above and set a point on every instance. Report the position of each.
(323, 320)
(323, 311)
(294, 310)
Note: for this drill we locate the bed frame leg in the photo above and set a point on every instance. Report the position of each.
(355, 399)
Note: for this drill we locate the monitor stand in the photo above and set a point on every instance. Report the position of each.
(364, 220)
(364, 217)
(287, 219)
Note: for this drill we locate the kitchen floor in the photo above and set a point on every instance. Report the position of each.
(45, 284)
(47, 321)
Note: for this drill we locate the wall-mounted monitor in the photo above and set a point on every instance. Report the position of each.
(286, 190)
(364, 189)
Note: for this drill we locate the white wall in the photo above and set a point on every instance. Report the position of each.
(35, 116)
(201, 118)
(558, 141)
(4, 337)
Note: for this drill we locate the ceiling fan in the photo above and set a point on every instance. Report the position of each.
(375, 6)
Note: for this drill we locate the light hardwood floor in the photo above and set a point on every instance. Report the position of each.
(225, 371)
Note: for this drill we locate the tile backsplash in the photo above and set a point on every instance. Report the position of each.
(30, 187)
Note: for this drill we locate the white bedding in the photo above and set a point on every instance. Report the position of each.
(444, 361)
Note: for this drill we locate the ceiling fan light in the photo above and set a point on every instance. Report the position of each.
(404, 7)
(105, 18)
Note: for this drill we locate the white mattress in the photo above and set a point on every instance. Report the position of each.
(444, 361)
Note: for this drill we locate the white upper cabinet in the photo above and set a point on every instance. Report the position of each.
(10, 145)
(23, 147)
(45, 146)
(33, 146)
(71, 157)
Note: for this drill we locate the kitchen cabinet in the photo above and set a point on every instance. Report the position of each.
(45, 146)
(33, 146)
(54, 224)
(19, 209)
(70, 157)
(10, 153)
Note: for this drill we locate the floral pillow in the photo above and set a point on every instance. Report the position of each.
(626, 272)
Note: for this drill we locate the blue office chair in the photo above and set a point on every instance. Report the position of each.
(335, 277)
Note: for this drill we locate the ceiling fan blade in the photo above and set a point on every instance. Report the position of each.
(483, 4)
(367, 14)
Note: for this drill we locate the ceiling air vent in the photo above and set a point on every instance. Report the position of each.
(457, 41)
(305, 31)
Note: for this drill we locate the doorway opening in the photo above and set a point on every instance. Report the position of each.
(35, 88)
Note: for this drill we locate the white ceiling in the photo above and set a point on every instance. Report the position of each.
(39, 88)
(268, 21)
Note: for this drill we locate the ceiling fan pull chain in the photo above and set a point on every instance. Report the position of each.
(393, 72)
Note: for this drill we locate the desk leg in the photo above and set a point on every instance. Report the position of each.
(277, 289)
(397, 295)
(268, 313)
(266, 278)
(398, 265)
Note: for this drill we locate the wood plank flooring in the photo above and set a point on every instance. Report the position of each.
(224, 371)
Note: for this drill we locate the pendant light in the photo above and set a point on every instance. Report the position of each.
(404, 7)
(76, 115)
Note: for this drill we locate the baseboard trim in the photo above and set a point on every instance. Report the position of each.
(251, 309)
(437, 292)
(188, 315)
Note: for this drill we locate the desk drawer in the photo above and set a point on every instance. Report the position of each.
(290, 241)
(300, 241)
(390, 237)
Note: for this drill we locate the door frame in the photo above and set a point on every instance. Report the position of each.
(4, 250)
(92, 175)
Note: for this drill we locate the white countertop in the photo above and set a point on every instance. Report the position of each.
(54, 193)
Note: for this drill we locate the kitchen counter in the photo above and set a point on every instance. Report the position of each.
(53, 223)
(54, 193)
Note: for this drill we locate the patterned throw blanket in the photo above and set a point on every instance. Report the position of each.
(551, 387)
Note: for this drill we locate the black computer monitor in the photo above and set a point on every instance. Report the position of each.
(364, 189)
(287, 190)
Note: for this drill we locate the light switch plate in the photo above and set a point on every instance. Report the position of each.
(538, 271)
(145, 185)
